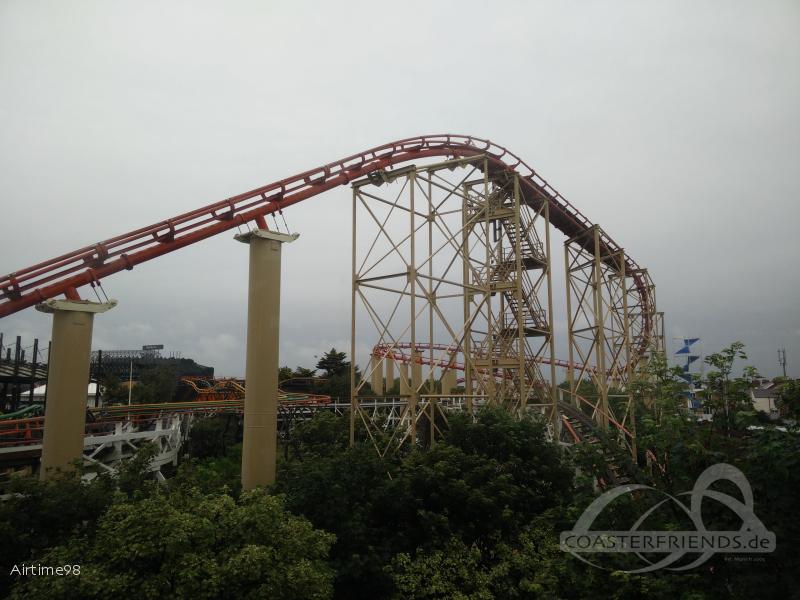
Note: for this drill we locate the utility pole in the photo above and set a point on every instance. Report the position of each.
(782, 360)
(130, 382)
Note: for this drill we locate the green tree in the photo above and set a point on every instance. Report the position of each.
(476, 486)
(324, 435)
(453, 572)
(750, 374)
(213, 436)
(665, 426)
(719, 382)
(189, 545)
(480, 483)
(303, 372)
(334, 363)
(347, 493)
(155, 385)
(112, 390)
(533, 566)
(37, 515)
(284, 373)
(790, 399)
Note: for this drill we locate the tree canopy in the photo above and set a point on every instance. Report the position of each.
(477, 515)
(333, 363)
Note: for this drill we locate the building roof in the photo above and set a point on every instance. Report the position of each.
(91, 389)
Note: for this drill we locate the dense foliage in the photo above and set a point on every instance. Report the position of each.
(476, 516)
(154, 385)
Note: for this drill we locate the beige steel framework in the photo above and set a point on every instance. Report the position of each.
(650, 340)
(610, 322)
(647, 324)
(449, 261)
(657, 343)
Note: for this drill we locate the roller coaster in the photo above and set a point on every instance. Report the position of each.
(117, 431)
(495, 222)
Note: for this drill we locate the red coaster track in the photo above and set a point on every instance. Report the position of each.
(87, 266)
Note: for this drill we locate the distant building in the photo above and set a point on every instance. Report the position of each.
(40, 393)
(695, 404)
(130, 363)
(766, 398)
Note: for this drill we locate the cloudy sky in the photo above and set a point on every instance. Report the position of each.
(674, 125)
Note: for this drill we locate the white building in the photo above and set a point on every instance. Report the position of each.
(91, 390)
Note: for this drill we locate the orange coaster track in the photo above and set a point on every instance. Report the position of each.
(26, 431)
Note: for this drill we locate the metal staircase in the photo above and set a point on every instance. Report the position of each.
(578, 427)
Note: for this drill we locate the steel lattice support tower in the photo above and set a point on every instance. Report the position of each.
(451, 269)
(647, 333)
(599, 320)
(508, 325)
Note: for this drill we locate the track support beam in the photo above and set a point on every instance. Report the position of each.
(65, 413)
(259, 447)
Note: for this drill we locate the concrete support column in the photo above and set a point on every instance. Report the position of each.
(448, 381)
(416, 370)
(389, 373)
(259, 447)
(405, 383)
(70, 357)
(377, 376)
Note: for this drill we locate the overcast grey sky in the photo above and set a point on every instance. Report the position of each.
(674, 125)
